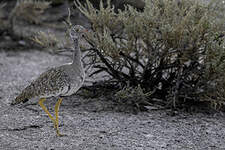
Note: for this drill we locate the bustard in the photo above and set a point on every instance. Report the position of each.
(59, 81)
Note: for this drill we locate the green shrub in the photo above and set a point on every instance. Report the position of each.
(173, 49)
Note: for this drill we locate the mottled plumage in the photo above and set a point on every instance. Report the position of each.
(59, 81)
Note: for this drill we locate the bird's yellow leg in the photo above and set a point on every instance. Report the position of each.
(45, 109)
(57, 116)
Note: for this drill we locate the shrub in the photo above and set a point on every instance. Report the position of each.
(45, 39)
(28, 11)
(2, 22)
(173, 49)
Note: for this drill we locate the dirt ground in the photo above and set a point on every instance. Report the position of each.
(92, 123)
(89, 124)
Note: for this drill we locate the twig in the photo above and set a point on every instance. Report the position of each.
(132, 59)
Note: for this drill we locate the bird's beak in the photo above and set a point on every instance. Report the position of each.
(85, 30)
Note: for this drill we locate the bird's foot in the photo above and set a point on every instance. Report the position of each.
(59, 134)
(55, 125)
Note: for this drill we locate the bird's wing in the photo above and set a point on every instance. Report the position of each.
(51, 82)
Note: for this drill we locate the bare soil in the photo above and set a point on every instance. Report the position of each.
(88, 123)
(92, 123)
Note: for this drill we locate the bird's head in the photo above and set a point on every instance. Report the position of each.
(77, 31)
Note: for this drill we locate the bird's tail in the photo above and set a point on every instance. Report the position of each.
(22, 98)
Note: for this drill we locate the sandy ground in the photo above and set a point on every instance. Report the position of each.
(92, 123)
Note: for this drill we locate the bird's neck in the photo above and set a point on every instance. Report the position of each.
(77, 54)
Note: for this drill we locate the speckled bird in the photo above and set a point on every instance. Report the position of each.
(59, 81)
